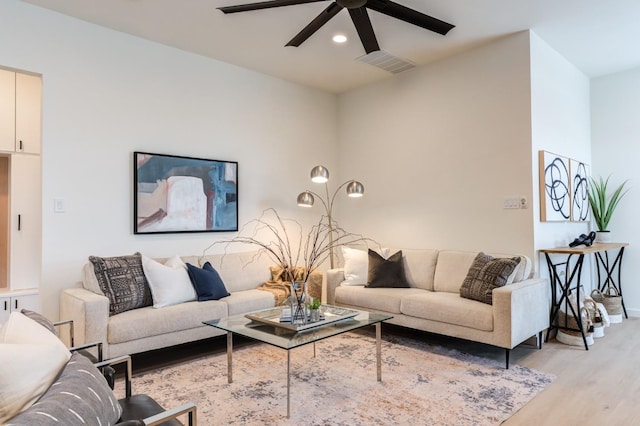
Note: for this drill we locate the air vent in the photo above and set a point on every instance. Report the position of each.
(386, 61)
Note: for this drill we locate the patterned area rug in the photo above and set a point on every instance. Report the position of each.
(422, 384)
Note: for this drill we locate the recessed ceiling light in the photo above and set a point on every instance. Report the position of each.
(339, 38)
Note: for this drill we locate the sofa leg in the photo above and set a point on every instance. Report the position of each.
(507, 353)
(540, 340)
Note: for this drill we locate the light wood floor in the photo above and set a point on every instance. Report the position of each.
(599, 387)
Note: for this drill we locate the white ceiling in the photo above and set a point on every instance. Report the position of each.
(599, 37)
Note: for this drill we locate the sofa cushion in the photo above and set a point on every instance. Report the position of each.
(448, 308)
(419, 267)
(485, 274)
(241, 302)
(122, 280)
(146, 322)
(377, 299)
(387, 272)
(80, 395)
(240, 271)
(31, 358)
(207, 282)
(452, 268)
(169, 282)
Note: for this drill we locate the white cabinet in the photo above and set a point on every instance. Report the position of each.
(25, 222)
(16, 301)
(20, 112)
(7, 110)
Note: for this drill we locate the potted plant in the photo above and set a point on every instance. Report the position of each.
(603, 206)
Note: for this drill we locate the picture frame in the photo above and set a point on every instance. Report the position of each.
(178, 194)
(555, 192)
(580, 209)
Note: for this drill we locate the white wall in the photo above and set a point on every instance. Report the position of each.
(560, 120)
(438, 148)
(107, 94)
(615, 102)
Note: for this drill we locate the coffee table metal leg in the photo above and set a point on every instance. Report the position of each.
(229, 357)
(379, 351)
(288, 382)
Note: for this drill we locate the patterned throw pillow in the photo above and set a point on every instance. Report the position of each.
(485, 274)
(123, 281)
(386, 272)
(80, 395)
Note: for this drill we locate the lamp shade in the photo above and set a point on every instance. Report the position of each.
(355, 189)
(319, 174)
(305, 199)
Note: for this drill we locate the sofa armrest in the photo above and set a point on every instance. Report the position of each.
(90, 315)
(334, 278)
(173, 413)
(521, 310)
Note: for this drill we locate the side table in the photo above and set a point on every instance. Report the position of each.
(572, 279)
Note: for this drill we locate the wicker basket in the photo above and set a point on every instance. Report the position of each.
(572, 337)
(596, 317)
(612, 302)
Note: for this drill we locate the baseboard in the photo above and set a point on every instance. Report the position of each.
(633, 312)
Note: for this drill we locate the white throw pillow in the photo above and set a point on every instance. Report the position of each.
(356, 265)
(169, 283)
(31, 357)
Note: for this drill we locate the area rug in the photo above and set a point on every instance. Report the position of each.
(422, 384)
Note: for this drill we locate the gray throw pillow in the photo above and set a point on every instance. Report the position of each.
(79, 396)
(386, 272)
(122, 280)
(485, 274)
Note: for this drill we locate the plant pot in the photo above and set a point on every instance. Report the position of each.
(603, 236)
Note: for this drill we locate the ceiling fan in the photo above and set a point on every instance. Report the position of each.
(358, 11)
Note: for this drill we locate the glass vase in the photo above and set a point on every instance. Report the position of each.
(298, 303)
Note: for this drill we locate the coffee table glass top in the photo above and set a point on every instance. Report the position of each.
(289, 339)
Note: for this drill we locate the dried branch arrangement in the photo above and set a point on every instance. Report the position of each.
(277, 238)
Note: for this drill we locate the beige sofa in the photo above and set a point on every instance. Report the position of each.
(148, 328)
(433, 303)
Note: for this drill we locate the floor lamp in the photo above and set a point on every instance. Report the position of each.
(320, 174)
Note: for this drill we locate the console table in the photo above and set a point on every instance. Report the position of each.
(608, 275)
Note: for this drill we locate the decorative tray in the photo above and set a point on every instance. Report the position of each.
(274, 317)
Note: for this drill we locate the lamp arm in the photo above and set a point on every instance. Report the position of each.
(319, 197)
(335, 193)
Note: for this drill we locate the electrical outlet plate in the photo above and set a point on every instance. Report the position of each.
(58, 205)
(515, 203)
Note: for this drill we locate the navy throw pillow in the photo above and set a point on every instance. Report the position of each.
(207, 282)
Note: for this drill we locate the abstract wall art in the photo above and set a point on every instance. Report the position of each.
(183, 194)
(555, 193)
(579, 173)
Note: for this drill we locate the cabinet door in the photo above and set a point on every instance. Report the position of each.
(25, 222)
(5, 308)
(28, 113)
(7, 110)
(27, 301)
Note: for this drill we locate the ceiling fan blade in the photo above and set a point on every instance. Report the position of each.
(361, 20)
(263, 5)
(315, 25)
(411, 16)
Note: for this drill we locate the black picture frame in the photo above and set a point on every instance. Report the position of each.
(178, 194)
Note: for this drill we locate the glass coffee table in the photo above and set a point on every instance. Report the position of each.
(265, 328)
